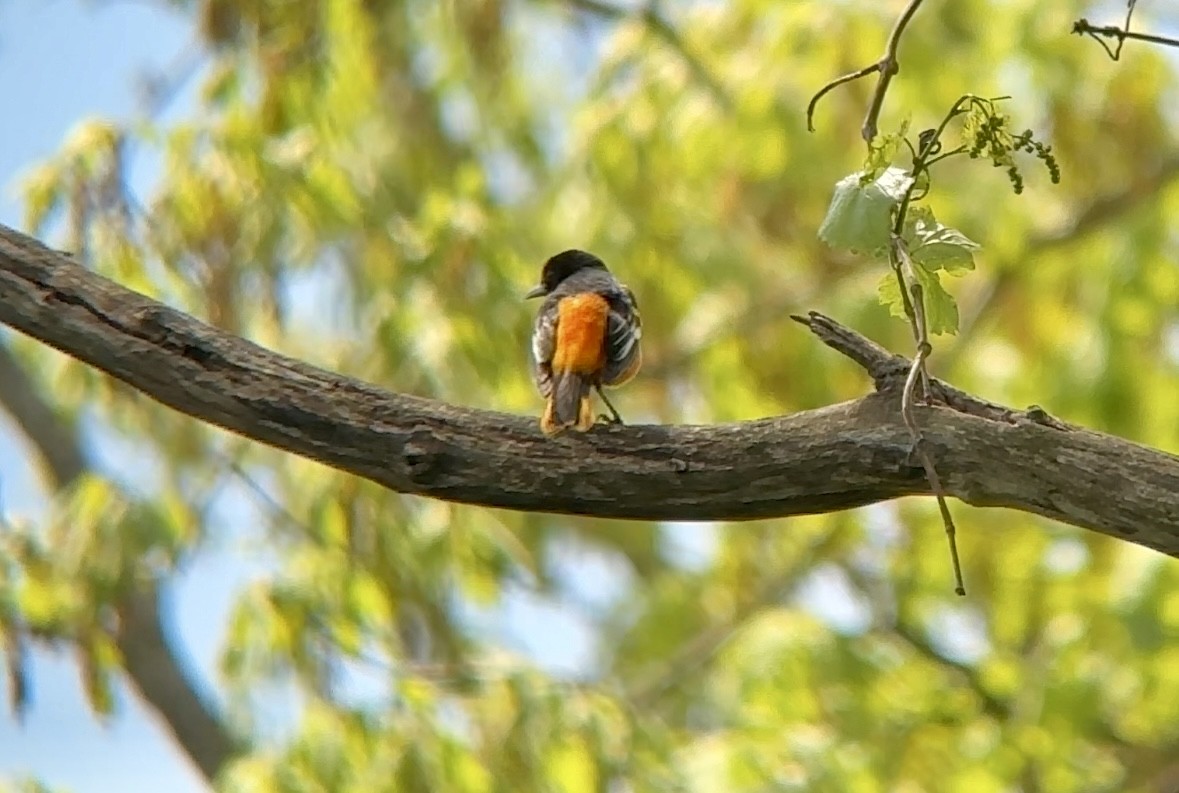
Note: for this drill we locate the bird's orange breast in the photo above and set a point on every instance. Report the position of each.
(581, 332)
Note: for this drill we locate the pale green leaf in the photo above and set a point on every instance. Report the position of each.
(859, 217)
(938, 247)
(43, 189)
(941, 310)
(889, 291)
(882, 152)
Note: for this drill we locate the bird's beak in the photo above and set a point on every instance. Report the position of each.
(536, 291)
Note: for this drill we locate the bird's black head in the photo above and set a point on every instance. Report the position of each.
(563, 265)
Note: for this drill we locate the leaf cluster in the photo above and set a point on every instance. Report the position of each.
(878, 207)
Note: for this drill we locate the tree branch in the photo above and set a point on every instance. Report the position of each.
(887, 67)
(1082, 27)
(147, 645)
(823, 460)
(56, 444)
(149, 652)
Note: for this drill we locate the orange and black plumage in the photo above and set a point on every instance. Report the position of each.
(586, 336)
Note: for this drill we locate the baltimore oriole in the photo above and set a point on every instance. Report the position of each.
(586, 335)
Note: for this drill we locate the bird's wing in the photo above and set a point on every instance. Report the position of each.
(544, 341)
(624, 329)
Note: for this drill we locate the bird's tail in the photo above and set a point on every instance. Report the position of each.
(568, 405)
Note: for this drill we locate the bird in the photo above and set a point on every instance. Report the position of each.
(585, 336)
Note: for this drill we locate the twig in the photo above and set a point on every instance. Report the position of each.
(838, 81)
(893, 627)
(278, 511)
(912, 299)
(600, 8)
(930, 152)
(1082, 27)
(918, 371)
(898, 253)
(158, 91)
(993, 705)
(887, 66)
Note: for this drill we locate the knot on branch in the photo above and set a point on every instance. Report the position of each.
(422, 455)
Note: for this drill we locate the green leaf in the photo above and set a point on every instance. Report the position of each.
(941, 310)
(938, 247)
(46, 603)
(98, 659)
(222, 84)
(893, 183)
(859, 217)
(889, 292)
(882, 151)
(570, 768)
(333, 524)
(367, 601)
(43, 190)
(918, 214)
(92, 142)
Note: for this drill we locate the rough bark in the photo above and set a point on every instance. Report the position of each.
(822, 460)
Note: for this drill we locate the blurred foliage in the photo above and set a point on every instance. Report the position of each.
(371, 186)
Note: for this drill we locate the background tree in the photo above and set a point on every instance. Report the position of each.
(371, 186)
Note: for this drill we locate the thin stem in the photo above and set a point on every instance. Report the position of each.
(906, 303)
(928, 155)
(915, 305)
(887, 66)
(838, 81)
(944, 155)
(918, 371)
(1082, 27)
